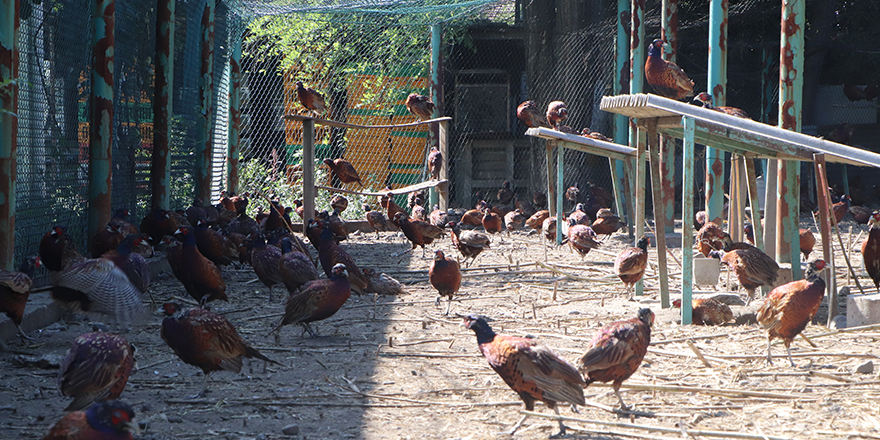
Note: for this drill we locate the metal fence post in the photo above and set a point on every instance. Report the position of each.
(308, 166)
(232, 149)
(717, 84)
(791, 82)
(669, 34)
(9, 24)
(101, 121)
(204, 150)
(436, 96)
(687, 227)
(637, 135)
(560, 190)
(621, 122)
(160, 172)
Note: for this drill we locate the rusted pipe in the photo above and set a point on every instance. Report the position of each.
(232, 149)
(160, 172)
(9, 59)
(101, 120)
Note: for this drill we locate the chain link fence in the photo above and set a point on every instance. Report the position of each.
(366, 57)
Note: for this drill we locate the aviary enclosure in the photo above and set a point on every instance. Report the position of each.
(138, 105)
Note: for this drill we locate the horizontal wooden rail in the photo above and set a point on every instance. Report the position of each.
(338, 124)
(394, 192)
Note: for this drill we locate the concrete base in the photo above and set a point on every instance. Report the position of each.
(706, 271)
(673, 240)
(39, 312)
(783, 276)
(862, 310)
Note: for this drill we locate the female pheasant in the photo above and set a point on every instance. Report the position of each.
(96, 368)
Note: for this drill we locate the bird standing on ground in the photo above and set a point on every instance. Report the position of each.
(581, 238)
(109, 420)
(206, 340)
(536, 221)
(530, 369)
(752, 267)
(556, 113)
(295, 267)
(199, 275)
(707, 311)
(266, 261)
(492, 222)
(666, 77)
(96, 368)
(530, 115)
(617, 351)
(631, 263)
(317, 300)
(469, 243)
(344, 171)
(311, 99)
(710, 238)
(57, 250)
(15, 288)
(790, 307)
(606, 222)
(382, 283)
(213, 245)
(513, 220)
(505, 194)
(419, 233)
(807, 241)
(420, 106)
(445, 276)
(871, 250)
(376, 219)
(579, 216)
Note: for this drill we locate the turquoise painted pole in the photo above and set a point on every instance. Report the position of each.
(669, 34)
(621, 122)
(717, 84)
(101, 122)
(791, 84)
(637, 137)
(9, 25)
(204, 151)
(436, 89)
(232, 149)
(560, 190)
(687, 227)
(160, 172)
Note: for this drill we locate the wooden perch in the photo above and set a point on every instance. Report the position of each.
(405, 190)
(338, 124)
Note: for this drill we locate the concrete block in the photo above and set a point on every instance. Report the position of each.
(783, 276)
(36, 316)
(862, 310)
(673, 240)
(706, 271)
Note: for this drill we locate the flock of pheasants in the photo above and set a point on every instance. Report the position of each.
(201, 240)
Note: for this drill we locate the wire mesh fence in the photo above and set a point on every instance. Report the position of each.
(366, 57)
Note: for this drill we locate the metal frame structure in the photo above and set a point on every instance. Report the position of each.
(745, 137)
(309, 187)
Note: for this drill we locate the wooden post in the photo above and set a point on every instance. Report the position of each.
(308, 166)
(641, 153)
(659, 209)
(825, 228)
(757, 228)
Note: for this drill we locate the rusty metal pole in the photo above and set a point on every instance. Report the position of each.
(717, 84)
(101, 121)
(637, 137)
(791, 82)
(308, 166)
(232, 149)
(9, 24)
(621, 122)
(659, 220)
(160, 172)
(669, 34)
(204, 151)
(436, 95)
(687, 227)
(825, 228)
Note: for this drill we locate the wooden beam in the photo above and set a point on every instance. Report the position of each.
(394, 192)
(338, 124)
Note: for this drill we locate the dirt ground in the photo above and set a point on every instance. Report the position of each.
(396, 368)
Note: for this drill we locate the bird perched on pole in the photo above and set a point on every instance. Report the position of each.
(420, 106)
(530, 115)
(530, 369)
(706, 100)
(556, 113)
(666, 77)
(344, 170)
(205, 340)
(15, 288)
(96, 368)
(435, 163)
(311, 99)
(617, 350)
(109, 420)
(790, 307)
